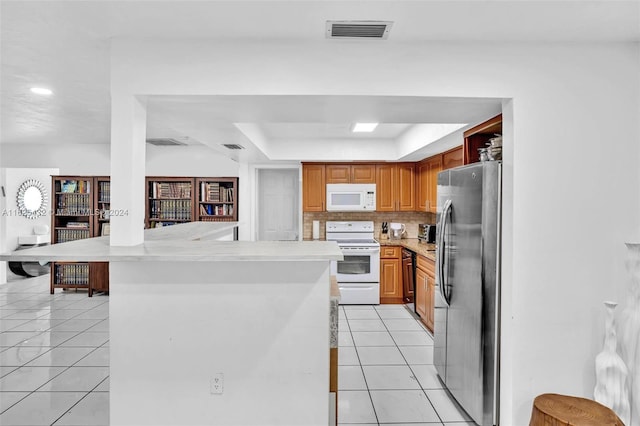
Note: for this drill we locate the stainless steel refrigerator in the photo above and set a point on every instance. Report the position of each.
(467, 299)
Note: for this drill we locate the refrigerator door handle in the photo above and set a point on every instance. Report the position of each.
(441, 251)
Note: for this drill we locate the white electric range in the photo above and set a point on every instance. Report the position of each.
(358, 275)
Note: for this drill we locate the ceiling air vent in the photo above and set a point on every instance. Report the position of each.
(164, 142)
(232, 146)
(358, 29)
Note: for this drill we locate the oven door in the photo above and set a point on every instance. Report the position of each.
(360, 265)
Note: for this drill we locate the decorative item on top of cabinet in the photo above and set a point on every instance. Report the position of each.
(313, 187)
(217, 199)
(350, 173)
(391, 290)
(425, 290)
(169, 200)
(479, 136)
(395, 187)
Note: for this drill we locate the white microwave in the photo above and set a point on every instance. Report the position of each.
(351, 197)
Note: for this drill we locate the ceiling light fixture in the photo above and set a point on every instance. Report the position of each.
(364, 127)
(41, 91)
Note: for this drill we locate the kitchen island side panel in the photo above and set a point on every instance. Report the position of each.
(262, 325)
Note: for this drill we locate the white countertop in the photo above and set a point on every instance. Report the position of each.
(189, 242)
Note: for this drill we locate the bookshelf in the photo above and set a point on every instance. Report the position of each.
(102, 203)
(217, 199)
(75, 209)
(170, 201)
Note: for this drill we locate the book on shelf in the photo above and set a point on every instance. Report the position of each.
(75, 186)
(73, 204)
(64, 235)
(215, 192)
(72, 274)
(216, 210)
(77, 224)
(170, 209)
(170, 189)
(105, 191)
(68, 186)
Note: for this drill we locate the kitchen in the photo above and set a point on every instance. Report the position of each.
(558, 105)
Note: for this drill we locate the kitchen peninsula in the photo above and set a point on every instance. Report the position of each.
(214, 332)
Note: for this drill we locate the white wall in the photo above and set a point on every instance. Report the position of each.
(13, 225)
(89, 159)
(571, 165)
(94, 159)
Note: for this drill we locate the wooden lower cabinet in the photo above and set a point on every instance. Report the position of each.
(391, 290)
(425, 290)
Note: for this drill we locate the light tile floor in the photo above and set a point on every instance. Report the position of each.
(385, 371)
(54, 362)
(54, 355)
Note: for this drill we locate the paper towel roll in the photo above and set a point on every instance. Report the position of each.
(316, 229)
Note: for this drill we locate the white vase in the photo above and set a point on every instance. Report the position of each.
(611, 372)
(629, 331)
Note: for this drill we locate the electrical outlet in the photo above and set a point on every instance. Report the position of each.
(217, 384)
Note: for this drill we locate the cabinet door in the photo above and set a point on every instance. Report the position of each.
(422, 186)
(407, 187)
(430, 296)
(452, 158)
(363, 173)
(313, 187)
(386, 184)
(390, 285)
(338, 173)
(421, 293)
(407, 280)
(434, 167)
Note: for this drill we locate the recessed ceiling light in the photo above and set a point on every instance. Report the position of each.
(364, 127)
(41, 91)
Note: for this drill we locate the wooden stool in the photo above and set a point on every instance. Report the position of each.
(551, 409)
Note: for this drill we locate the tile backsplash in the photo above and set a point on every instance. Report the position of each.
(410, 219)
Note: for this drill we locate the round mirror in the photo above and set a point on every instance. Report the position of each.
(32, 197)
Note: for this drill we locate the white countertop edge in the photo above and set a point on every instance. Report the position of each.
(98, 250)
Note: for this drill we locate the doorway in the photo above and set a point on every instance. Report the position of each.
(278, 204)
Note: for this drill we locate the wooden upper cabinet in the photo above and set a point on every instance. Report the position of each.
(406, 187)
(338, 173)
(452, 158)
(478, 136)
(422, 186)
(351, 173)
(395, 187)
(386, 184)
(313, 187)
(434, 167)
(427, 183)
(363, 173)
